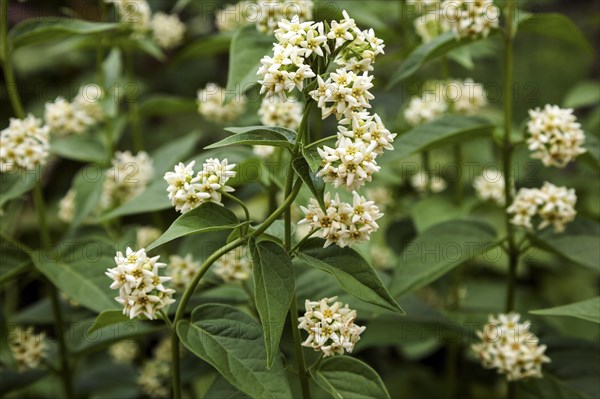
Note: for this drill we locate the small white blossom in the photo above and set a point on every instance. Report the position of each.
(126, 179)
(124, 352)
(167, 30)
(65, 118)
(362, 126)
(428, 26)
(134, 13)
(88, 100)
(268, 13)
(263, 151)
(141, 288)
(489, 186)
(470, 18)
(465, 97)
(555, 137)
(330, 327)
(422, 183)
(146, 235)
(342, 223)
(234, 16)
(155, 374)
(66, 207)
(212, 106)
(343, 93)
(276, 112)
(27, 348)
(359, 56)
(23, 144)
(511, 348)
(235, 265)
(424, 109)
(182, 270)
(554, 205)
(187, 191)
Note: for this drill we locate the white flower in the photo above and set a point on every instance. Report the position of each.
(341, 223)
(555, 136)
(330, 327)
(359, 56)
(141, 289)
(428, 26)
(263, 151)
(126, 179)
(23, 144)
(146, 235)
(167, 30)
(66, 206)
(424, 109)
(182, 270)
(465, 97)
(135, 13)
(367, 128)
(554, 205)
(64, 118)
(235, 265)
(382, 196)
(234, 16)
(155, 374)
(422, 183)
(27, 348)
(489, 186)
(124, 352)
(343, 93)
(469, 18)
(212, 106)
(382, 257)
(269, 13)
(88, 100)
(511, 348)
(187, 191)
(342, 31)
(286, 113)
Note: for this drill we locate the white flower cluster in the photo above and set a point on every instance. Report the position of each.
(126, 179)
(155, 374)
(268, 13)
(141, 289)
(24, 144)
(511, 348)
(182, 270)
(167, 30)
(88, 100)
(146, 235)
(342, 223)
(422, 183)
(465, 96)
(234, 16)
(330, 327)
(555, 136)
(135, 13)
(424, 109)
(212, 106)
(554, 205)
(65, 118)
(469, 18)
(124, 352)
(489, 186)
(187, 191)
(66, 206)
(428, 26)
(235, 265)
(286, 113)
(27, 348)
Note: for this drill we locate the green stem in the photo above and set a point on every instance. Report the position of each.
(136, 128)
(65, 370)
(458, 183)
(175, 365)
(9, 76)
(40, 208)
(303, 240)
(513, 254)
(319, 142)
(302, 375)
(426, 166)
(240, 203)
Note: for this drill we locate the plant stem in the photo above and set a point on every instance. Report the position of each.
(302, 375)
(9, 77)
(513, 254)
(425, 165)
(458, 183)
(175, 364)
(65, 370)
(40, 208)
(132, 101)
(240, 203)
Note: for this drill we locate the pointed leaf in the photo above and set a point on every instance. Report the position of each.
(258, 135)
(273, 291)
(16, 183)
(38, 30)
(79, 148)
(354, 274)
(557, 26)
(88, 190)
(207, 217)
(107, 318)
(438, 250)
(315, 184)
(347, 377)
(586, 310)
(232, 342)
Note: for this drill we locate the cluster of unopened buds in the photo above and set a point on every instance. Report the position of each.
(489, 186)
(342, 223)
(212, 104)
(64, 117)
(330, 326)
(555, 136)
(274, 111)
(265, 14)
(141, 288)
(24, 144)
(126, 179)
(235, 265)
(182, 270)
(27, 348)
(554, 205)
(188, 190)
(511, 348)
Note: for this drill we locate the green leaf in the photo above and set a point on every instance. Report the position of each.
(584, 94)
(315, 184)
(273, 291)
(586, 310)
(83, 280)
(354, 274)
(312, 157)
(166, 105)
(557, 26)
(206, 46)
(232, 342)
(36, 30)
(166, 157)
(592, 145)
(15, 260)
(437, 47)
(446, 130)
(79, 148)
(579, 243)
(149, 47)
(107, 318)
(222, 389)
(14, 184)
(247, 49)
(347, 377)
(12, 380)
(438, 250)
(206, 217)
(88, 190)
(258, 135)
